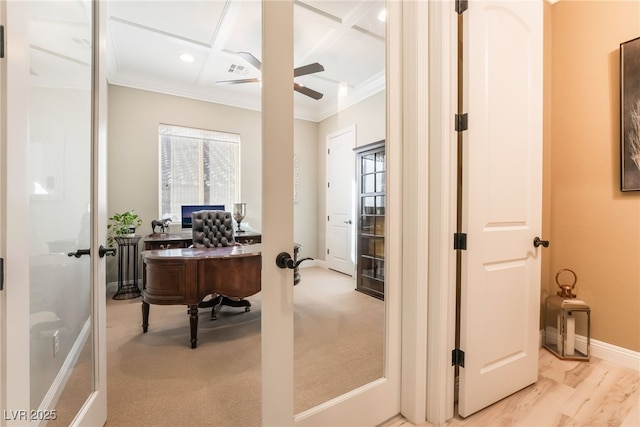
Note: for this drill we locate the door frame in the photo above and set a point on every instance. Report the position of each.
(427, 62)
(16, 260)
(94, 409)
(352, 234)
(442, 290)
(439, 39)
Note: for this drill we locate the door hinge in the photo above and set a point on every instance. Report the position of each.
(462, 122)
(461, 6)
(460, 241)
(328, 150)
(327, 218)
(457, 357)
(328, 185)
(327, 251)
(1, 274)
(1, 41)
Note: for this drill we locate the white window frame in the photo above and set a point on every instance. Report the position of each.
(206, 140)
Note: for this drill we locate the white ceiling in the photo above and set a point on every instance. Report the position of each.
(146, 38)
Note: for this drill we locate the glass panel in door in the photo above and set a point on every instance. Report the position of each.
(59, 177)
(339, 333)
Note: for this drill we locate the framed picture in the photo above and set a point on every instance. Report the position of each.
(630, 115)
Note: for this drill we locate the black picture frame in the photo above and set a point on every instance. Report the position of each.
(630, 115)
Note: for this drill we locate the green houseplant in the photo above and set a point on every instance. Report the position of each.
(122, 225)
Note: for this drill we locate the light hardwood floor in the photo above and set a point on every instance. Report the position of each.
(568, 393)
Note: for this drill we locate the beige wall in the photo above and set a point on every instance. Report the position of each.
(369, 118)
(134, 116)
(133, 121)
(594, 228)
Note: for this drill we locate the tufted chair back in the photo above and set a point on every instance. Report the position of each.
(212, 229)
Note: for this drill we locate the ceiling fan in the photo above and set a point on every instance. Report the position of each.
(297, 72)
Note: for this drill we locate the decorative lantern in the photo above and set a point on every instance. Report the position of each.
(567, 322)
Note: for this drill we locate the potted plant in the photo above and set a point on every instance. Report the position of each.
(123, 225)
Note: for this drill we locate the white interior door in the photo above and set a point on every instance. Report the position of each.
(371, 403)
(340, 199)
(54, 303)
(503, 199)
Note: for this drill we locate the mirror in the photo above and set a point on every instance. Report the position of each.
(339, 310)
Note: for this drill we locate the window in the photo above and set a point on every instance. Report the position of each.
(197, 167)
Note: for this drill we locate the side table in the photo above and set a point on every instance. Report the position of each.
(127, 268)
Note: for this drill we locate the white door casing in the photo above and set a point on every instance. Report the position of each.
(15, 321)
(94, 410)
(340, 194)
(18, 407)
(502, 188)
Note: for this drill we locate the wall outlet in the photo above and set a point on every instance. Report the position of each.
(56, 342)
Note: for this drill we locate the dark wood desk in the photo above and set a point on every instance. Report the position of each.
(187, 275)
(183, 240)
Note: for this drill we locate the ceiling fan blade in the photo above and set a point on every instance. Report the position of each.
(307, 69)
(235, 82)
(306, 91)
(251, 59)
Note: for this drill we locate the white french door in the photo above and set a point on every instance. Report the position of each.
(53, 214)
(371, 403)
(503, 200)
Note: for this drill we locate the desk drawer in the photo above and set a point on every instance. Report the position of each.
(166, 244)
(248, 239)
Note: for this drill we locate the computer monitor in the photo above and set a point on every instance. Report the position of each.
(187, 210)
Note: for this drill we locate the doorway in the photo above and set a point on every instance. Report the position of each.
(340, 196)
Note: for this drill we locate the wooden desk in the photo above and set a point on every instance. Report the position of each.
(187, 275)
(183, 240)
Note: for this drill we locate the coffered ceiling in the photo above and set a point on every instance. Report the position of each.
(147, 38)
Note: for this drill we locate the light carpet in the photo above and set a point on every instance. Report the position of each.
(156, 379)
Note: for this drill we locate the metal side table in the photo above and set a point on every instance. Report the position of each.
(127, 268)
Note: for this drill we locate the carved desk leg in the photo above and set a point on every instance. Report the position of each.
(145, 316)
(193, 322)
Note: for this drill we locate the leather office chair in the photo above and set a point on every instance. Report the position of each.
(212, 229)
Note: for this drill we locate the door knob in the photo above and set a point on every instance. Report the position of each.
(537, 242)
(102, 251)
(79, 253)
(347, 222)
(284, 260)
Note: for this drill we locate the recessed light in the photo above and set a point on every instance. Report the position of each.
(186, 57)
(382, 15)
(343, 89)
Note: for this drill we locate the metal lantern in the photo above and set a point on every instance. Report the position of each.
(567, 323)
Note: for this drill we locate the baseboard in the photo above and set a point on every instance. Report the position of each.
(57, 387)
(314, 263)
(614, 354)
(112, 287)
(608, 352)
